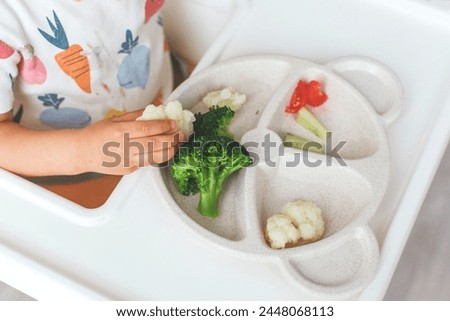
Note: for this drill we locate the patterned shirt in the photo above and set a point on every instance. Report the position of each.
(68, 63)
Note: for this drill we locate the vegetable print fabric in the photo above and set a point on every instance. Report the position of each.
(66, 64)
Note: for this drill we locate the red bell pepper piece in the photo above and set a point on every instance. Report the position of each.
(306, 94)
(314, 94)
(298, 98)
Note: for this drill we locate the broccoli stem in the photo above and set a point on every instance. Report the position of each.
(209, 203)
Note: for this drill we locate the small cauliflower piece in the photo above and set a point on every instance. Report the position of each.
(173, 110)
(152, 112)
(281, 231)
(186, 122)
(225, 97)
(304, 217)
(307, 216)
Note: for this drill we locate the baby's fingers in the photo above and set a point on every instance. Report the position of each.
(152, 158)
(161, 156)
(139, 129)
(156, 143)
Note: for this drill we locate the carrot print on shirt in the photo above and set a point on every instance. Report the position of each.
(59, 118)
(71, 60)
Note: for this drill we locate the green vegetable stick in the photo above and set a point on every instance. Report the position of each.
(298, 142)
(306, 119)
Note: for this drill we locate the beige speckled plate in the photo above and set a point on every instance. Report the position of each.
(364, 97)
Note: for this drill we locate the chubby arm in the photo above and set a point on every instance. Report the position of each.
(116, 146)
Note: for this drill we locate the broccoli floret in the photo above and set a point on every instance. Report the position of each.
(214, 122)
(204, 165)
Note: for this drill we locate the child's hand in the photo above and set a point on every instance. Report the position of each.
(120, 145)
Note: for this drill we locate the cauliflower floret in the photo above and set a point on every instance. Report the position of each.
(307, 217)
(296, 221)
(173, 110)
(152, 112)
(186, 122)
(225, 97)
(280, 231)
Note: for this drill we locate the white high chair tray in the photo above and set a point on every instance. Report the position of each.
(134, 248)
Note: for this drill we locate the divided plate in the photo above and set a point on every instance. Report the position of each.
(364, 97)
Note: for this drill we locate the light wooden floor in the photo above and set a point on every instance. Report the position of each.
(423, 272)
